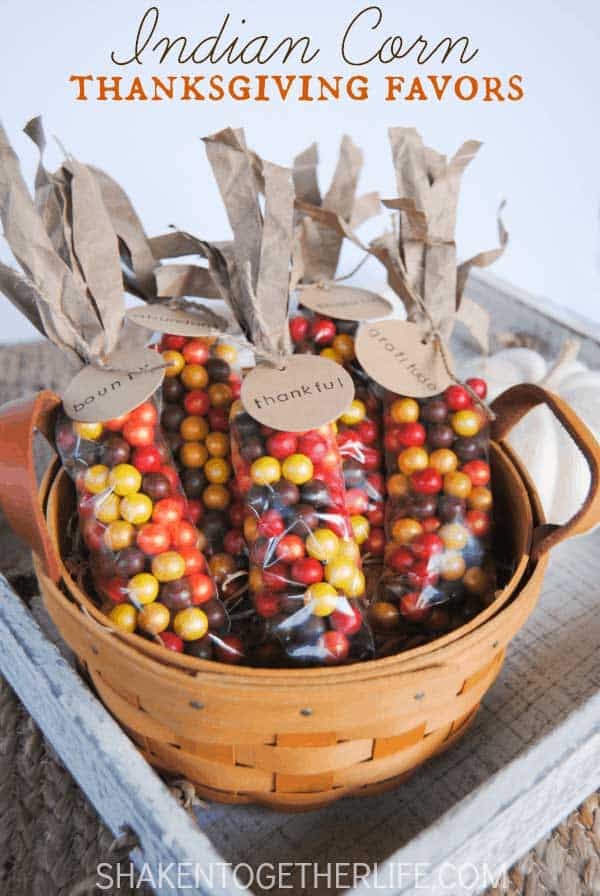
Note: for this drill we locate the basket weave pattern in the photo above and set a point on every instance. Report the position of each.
(290, 738)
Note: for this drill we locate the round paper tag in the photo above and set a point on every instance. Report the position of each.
(344, 302)
(95, 394)
(167, 320)
(395, 354)
(309, 393)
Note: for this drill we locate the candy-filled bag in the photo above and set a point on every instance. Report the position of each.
(141, 545)
(305, 579)
(305, 576)
(438, 558)
(358, 428)
(201, 383)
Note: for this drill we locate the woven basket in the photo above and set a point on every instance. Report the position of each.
(293, 739)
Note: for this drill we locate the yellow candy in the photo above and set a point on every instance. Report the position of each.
(349, 549)
(154, 618)
(96, 479)
(265, 471)
(226, 352)
(466, 423)
(357, 585)
(405, 529)
(217, 470)
(398, 485)
(190, 624)
(404, 410)
(176, 363)
(360, 528)
(124, 617)
(331, 353)
(136, 509)
(125, 479)
(297, 468)
(476, 581)
(443, 460)
(107, 509)
(457, 484)
(454, 536)
(343, 344)
(480, 498)
(168, 566)
(452, 566)
(413, 459)
(193, 429)
(322, 544)
(340, 572)
(89, 431)
(143, 588)
(356, 413)
(119, 535)
(321, 598)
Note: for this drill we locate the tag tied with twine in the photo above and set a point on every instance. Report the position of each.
(252, 275)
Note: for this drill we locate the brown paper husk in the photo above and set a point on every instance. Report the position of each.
(253, 272)
(421, 263)
(69, 316)
(318, 246)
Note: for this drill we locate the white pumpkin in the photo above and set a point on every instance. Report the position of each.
(556, 466)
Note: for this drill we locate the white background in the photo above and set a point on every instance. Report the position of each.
(542, 154)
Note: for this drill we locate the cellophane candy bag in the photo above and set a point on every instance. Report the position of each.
(305, 578)
(438, 557)
(145, 563)
(358, 430)
(201, 383)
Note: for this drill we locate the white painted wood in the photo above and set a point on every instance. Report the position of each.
(118, 782)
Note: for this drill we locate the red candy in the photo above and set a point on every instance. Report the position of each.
(427, 482)
(147, 459)
(457, 398)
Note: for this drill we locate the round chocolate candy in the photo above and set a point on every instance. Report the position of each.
(451, 508)
(305, 519)
(258, 498)
(285, 493)
(156, 486)
(467, 448)
(172, 390)
(215, 613)
(174, 441)
(214, 525)
(354, 473)
(202, 648)
(315, 493)
(246, 425)
(130, 562)
(384, 615)
(176, 595)
(115, 451)
(421, 507)
(434, 411)
(193, 482)
(252, 448)
(309, 631)
(346, 326)
(440, 435)
(218, 370)
(172, 417)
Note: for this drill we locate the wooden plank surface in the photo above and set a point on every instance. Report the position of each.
(118, 782)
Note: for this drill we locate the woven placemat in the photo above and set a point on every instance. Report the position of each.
(51, 837)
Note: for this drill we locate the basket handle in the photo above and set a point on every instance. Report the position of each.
(510, 407)
(19, 494)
